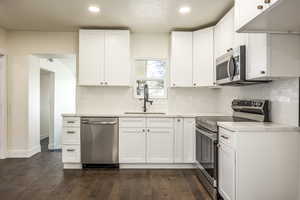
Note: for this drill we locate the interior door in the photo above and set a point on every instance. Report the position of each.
(91, 57)
(117, 58)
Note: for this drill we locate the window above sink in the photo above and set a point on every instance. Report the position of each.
(152, 72)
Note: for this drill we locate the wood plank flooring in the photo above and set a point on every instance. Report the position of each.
(42, 177)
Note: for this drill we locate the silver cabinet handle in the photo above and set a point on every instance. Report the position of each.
(262, 72)
(70, 150)
(225, 137)
(178, 120)
(143, 130)
(260, 7)
(267, 1)
(148, 130)
(71, 132)
(70, 122)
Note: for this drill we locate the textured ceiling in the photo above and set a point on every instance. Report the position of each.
(138, 15)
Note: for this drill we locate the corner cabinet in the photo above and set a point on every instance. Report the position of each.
(104, 57)
(203, 53)
(192, 58)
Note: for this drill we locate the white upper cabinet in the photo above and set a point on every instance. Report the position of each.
(224, 34)
(181, 59)
(268, 16)
(203, 53)
(192, 58)
(91, 57)
(104, 57)
(271, 56)
(117, 58)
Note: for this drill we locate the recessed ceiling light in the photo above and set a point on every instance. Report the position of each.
(184, 10)
(94, 9)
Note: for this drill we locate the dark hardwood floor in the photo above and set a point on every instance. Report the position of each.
(42, 177)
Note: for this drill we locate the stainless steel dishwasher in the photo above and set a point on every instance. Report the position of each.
(99, 141)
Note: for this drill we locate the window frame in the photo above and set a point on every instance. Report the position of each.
(165, 79)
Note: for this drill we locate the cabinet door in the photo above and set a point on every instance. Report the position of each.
(189, 140)
(257, 56)
(179, 140)
(91, 57)
(160, 145)
(226, 172)
(132, 145)
(117, 57)
(181, 59)
(224, 34)
(203, 53)
(247, 10)
(227, 31)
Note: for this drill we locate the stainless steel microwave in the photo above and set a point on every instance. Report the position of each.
(230, 68)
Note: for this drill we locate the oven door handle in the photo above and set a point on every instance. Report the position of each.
(210, 136)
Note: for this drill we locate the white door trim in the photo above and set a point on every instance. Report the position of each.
(3, 104)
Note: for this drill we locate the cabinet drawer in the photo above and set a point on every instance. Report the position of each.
(71, 153)
(71, 121)
(226, 137)
(71, 135)
(160, 122)
(132, 122)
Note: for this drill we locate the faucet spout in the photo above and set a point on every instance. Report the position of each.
(146, 98)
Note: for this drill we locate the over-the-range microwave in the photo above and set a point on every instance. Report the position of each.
(231, 68)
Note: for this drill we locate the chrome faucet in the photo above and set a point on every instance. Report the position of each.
(146, 97)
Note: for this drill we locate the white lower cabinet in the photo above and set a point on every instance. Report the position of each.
(71, 153)
(132, 145)
(189, 140)
(160, 145)
(160, 141)
(258, 165)
(227, 172)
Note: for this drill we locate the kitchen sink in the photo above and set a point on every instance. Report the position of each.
(145, 113)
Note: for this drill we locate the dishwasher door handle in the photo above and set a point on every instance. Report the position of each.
(103, 123)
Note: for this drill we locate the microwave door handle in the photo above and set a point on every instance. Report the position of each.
(230, 76)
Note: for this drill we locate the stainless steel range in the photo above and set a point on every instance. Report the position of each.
(207, 137)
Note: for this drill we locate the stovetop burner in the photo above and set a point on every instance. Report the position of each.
(210, 122)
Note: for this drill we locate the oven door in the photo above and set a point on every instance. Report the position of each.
(206, 154)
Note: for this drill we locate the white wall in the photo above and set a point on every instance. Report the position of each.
(45, 103)
(64, 95)
(3, 93)
(283, 94)
(20, 45)
(93, 100)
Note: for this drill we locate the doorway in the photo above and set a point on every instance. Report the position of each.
(46, 107)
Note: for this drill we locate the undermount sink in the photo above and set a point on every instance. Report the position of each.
(145, 113)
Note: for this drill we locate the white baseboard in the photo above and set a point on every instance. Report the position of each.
(23, 153)
(53, 146)
(72, 166)
(158, 166)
